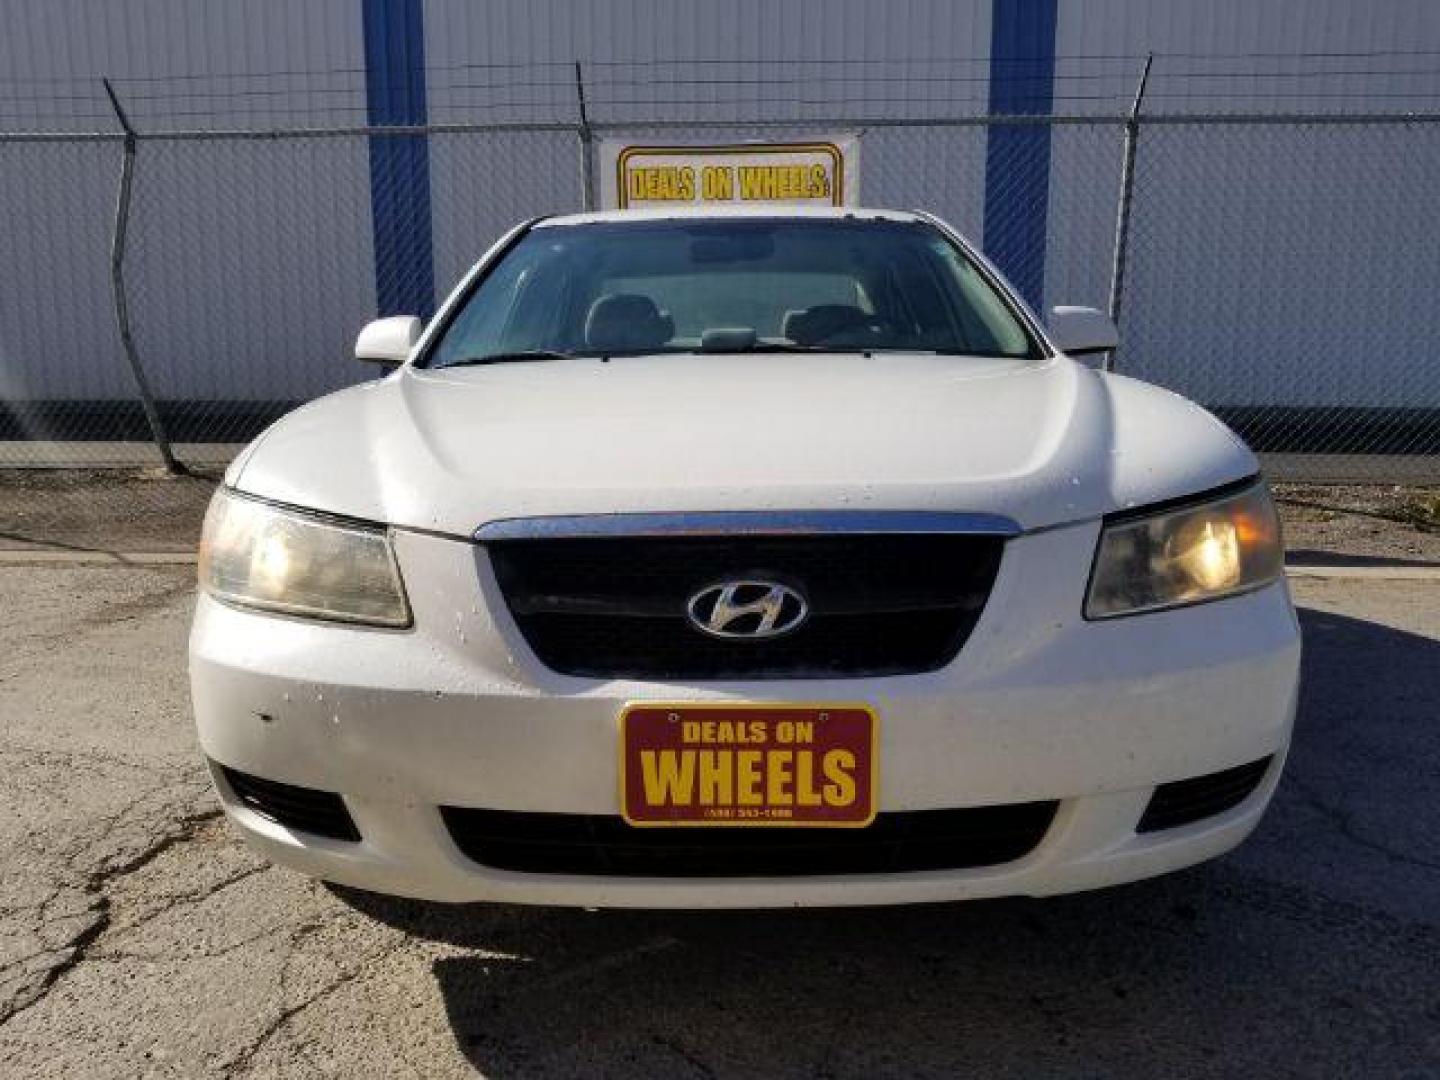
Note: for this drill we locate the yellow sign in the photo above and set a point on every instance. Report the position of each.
(642, 176)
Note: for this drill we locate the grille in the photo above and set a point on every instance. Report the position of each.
(1185, 801)
(307, 810)
(894, 843)
(616, 607)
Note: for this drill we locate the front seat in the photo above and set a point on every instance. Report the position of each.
(816, 325)
(627, 322)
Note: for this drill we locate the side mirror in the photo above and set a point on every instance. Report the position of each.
(388, 341)
(1080, 330)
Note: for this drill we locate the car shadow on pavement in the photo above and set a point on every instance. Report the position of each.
(1311, 950)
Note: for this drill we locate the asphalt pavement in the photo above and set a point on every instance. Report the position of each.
(138, 937)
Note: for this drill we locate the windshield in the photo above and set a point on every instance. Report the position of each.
(844, 284)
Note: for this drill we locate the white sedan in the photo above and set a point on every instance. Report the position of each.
(745, 558)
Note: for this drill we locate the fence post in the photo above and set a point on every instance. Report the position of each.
(587, 161)
(117, 286)
(1122, 212)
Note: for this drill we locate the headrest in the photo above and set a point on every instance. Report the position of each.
(787, 324)
(627, 321)
(814, 325)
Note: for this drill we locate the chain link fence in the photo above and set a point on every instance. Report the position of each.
(1276, 268)
(1279, 272)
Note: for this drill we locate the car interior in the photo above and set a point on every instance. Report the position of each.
(610, 289)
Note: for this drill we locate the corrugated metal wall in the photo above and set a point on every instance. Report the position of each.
(1273, 265)
(246, 259)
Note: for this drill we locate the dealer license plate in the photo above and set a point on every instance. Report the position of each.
(721, 764)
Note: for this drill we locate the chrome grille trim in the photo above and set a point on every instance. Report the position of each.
(749, 523)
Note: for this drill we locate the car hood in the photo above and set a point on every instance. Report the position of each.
(1040, 442)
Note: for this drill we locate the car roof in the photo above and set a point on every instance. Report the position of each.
(724, 213)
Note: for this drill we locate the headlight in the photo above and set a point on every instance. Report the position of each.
(261, 556)
(1186, 555)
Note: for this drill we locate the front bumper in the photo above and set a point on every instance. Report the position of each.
(1039, 705)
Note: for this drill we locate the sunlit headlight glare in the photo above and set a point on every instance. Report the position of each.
(1186, 556)
(257, 555)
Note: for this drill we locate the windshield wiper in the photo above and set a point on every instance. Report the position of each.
(786, 347)
(867, 350)
(978, 354)
(520, 357)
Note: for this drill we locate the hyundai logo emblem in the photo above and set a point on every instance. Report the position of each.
(747, 610)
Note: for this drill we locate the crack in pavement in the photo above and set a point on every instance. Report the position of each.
(1344, 824)
(184, 792)
(177, 901)
(125, 956)
(1381, 931)
(74, 951)
(244, 1061)
(701, 1067)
